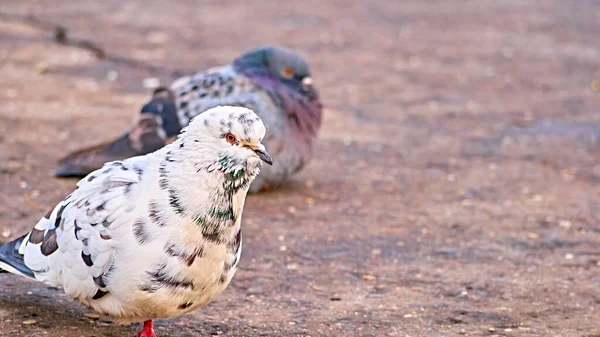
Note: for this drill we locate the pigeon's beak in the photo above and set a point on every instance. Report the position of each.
(262, 153)
(307, 83)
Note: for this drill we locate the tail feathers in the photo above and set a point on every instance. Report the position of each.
(12, 261)
(157, 123)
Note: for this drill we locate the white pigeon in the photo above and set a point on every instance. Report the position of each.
(153, 236)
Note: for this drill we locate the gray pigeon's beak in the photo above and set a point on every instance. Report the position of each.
(264, 155)
(307, 83)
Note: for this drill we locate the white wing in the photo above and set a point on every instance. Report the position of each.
(73, 245)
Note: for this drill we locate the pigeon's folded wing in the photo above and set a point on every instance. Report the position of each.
(74, 244)
(217, 86)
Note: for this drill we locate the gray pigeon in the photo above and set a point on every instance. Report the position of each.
(153, 236)
(272, 81)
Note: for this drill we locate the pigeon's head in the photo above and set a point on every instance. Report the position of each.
(285, 76)
(228, 139)
(283, 65)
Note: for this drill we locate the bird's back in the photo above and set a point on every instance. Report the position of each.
(214, 87)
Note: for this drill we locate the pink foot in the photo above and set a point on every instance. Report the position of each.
(147, 330)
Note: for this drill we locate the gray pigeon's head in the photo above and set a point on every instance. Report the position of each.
(226, 138)
(285, 76)
(277, 63)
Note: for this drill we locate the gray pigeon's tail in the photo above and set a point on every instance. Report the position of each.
(12, 261)
(158, 121)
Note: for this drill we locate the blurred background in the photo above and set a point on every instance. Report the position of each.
(454, 190)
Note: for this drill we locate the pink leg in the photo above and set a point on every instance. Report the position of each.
(147, 330)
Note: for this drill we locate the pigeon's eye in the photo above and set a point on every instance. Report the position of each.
(287, 73)
(230, 138)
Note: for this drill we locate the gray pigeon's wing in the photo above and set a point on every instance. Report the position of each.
(204, 90)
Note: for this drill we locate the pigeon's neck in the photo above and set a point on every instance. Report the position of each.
(304, 110)
(208, 197)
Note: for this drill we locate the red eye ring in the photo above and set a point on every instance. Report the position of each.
(230, 138)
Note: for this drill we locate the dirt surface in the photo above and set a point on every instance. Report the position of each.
(455, 190)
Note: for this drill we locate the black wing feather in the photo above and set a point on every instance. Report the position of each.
(9, 255)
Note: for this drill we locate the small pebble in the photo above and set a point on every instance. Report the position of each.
(151, 83)
(491, 329)
(369, 277)
(29, 321)
(41, 68)
(565, 223)
(316, 287)
(569, 256)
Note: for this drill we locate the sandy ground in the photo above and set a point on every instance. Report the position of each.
(455, 187)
